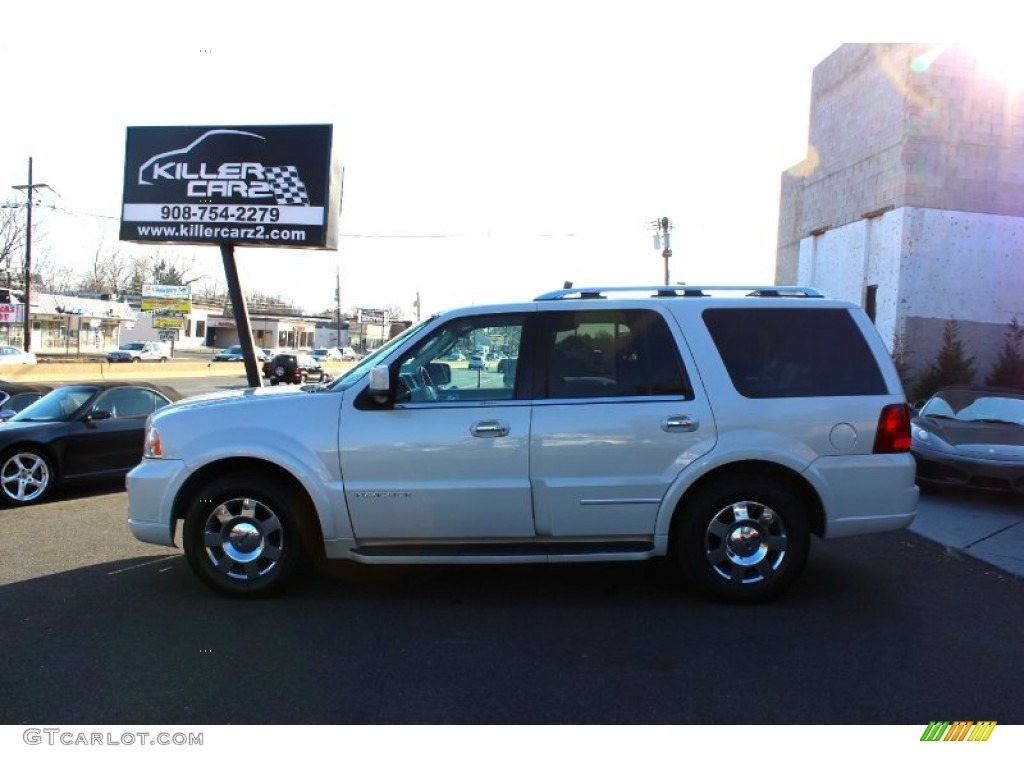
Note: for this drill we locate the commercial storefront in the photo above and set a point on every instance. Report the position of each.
(65, 324)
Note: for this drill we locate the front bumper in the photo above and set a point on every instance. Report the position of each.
(955, 471)
(152, 487)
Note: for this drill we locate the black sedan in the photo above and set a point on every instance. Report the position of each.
(971, 437)
(14, 396)
(88, 431)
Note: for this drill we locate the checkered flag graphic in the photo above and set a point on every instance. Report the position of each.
(286, 184)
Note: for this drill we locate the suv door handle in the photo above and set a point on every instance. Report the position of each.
(489, 429)
(680, 424)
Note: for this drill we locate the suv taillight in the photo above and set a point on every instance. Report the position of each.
(893, 434)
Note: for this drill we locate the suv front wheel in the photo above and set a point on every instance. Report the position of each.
(241, 536)
(742, 540)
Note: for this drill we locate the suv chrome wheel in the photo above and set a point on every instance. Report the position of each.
(742, 540)
(242, 536)
(745, 542)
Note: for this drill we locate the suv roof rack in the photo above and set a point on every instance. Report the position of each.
(674, 291)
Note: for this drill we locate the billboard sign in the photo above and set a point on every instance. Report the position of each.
(373, 316)
(169, 322)
(12, 313)
(166, 299)
(251, 185)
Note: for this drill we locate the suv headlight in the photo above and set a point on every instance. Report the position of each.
(151, 447)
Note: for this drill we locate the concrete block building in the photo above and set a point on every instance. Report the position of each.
(911, 198)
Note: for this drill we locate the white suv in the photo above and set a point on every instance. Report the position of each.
(718, 426)
(137, 351)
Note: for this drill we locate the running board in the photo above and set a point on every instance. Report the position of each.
(518, 549)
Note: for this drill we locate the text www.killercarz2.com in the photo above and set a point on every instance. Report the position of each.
(207, 232)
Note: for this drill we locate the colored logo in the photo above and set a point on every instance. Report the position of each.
(958, 730)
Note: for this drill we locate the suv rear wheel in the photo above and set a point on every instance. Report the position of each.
(241, 535)
(742, 540)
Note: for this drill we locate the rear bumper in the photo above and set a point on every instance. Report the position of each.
(866, 494)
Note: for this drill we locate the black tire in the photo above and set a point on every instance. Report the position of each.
(136, 359)
(742, 540)
(242, 535)
(27, 476)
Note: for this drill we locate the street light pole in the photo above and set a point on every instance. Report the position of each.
(29, 188)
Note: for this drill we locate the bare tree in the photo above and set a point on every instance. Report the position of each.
(112, 271)
(50, 277)
(165, 270)
(12, 237)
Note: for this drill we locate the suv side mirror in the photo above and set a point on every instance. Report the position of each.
(380, 385)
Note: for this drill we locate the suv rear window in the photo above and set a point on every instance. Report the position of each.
(773, 353)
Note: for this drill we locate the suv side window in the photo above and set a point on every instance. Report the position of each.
(772, 353)
(451, 365)
(608, 353)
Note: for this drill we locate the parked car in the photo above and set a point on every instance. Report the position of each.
(88, 431)
(477, 363)
(10, 355)
(295, 369)
(721, 429)
(971, 437)
(137, 351)
(326, 353)
(16, 396)
(230, 355)
(348, 353)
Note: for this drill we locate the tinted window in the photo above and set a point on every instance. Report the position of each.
(794, 352)
(608, 353)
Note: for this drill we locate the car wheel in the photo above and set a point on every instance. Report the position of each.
(742, 540)
(26, 477)
(136, 359)
(241, 535)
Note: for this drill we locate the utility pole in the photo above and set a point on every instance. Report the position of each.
(337, 306)
(29, 188)
(417, 305)
(337, 286)
(664, 225)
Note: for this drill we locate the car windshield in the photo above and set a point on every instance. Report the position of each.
(57, 405)
(976, 405)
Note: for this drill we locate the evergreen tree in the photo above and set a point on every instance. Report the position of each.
(1009, 368)
(901, 359)
(951, 365)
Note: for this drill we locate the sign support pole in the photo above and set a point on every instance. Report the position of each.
(241, 313)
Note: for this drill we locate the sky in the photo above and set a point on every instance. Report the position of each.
(492, 151)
